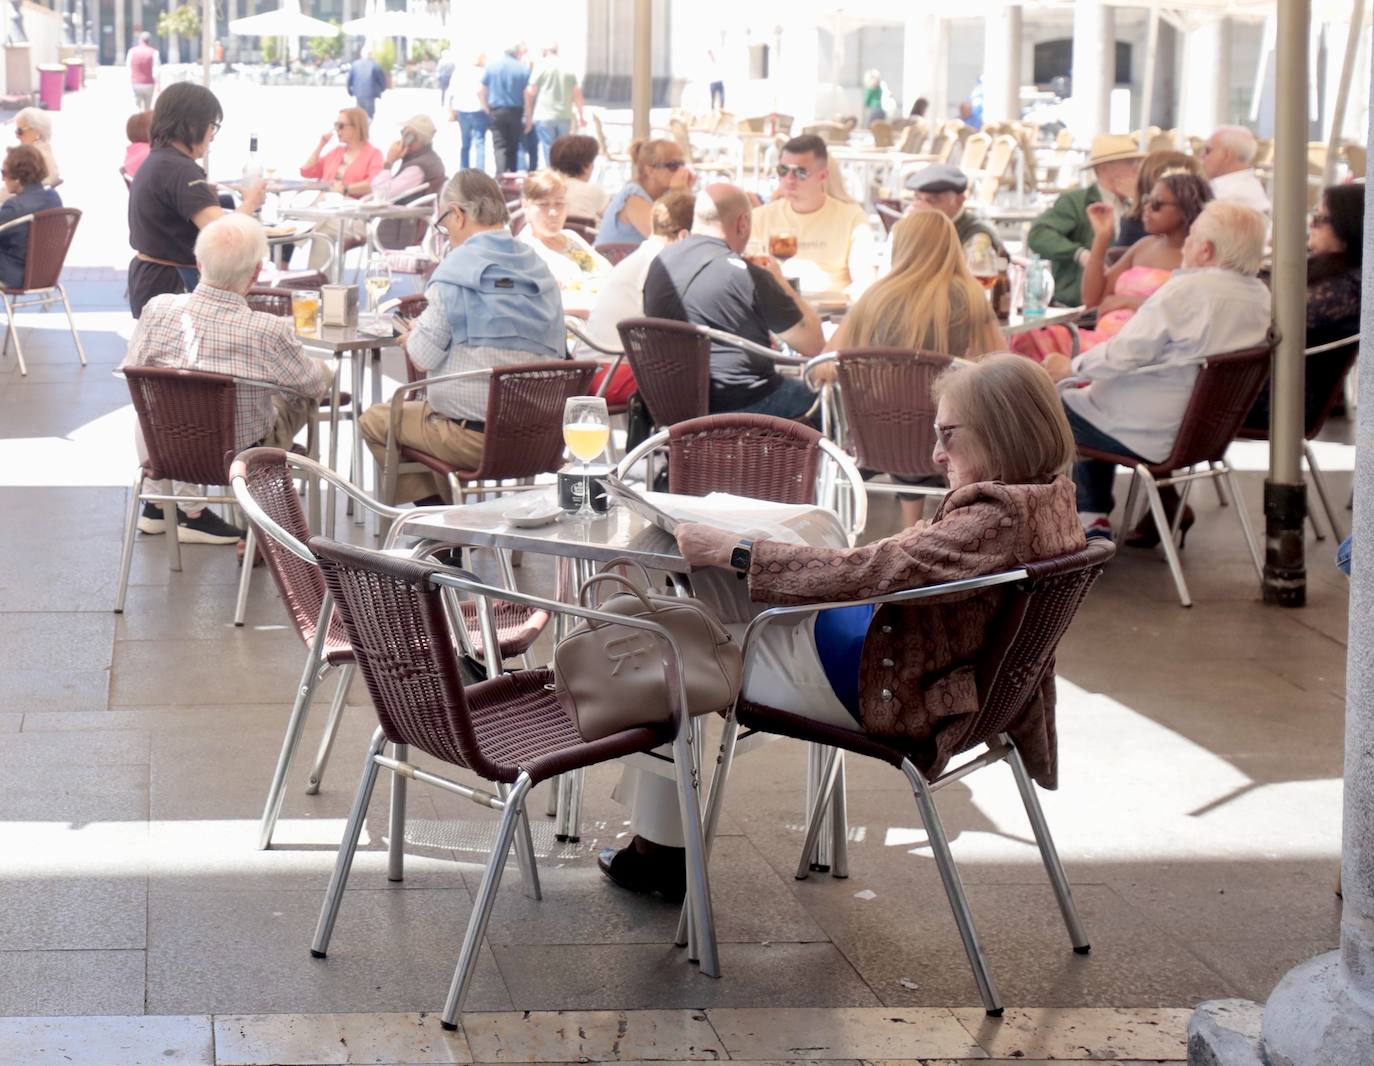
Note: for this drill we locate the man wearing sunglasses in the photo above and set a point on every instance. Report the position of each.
(835, 250)
(1228, 163)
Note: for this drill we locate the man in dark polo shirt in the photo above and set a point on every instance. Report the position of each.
(704, 279)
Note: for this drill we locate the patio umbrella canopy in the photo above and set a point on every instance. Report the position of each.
(396, 24)
(287, 21)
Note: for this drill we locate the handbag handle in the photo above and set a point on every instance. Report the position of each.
(625, 560)
(615, 579)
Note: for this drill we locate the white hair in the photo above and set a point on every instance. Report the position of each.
(1236, 232)
(1237, 140)
(229, 250)
(38, 121)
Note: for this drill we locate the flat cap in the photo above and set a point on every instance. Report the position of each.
(938, 177)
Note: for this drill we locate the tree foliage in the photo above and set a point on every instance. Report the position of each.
(183, 20)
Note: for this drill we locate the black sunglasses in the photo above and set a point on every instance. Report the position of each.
(673, 164)
(1156, 204)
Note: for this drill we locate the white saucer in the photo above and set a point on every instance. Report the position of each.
(532, 515)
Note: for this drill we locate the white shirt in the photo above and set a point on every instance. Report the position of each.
(585, 199)
(1194, 313)
(1242, 187)
(462, 89)
(622, 294)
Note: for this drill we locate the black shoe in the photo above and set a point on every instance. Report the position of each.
(150, 521)
(1145, 535)
(206, 528)
(645, 867)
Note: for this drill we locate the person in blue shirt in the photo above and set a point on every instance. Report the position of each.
(503, 99)
(366, 82)
(23, 172)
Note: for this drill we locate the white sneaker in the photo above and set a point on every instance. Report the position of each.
(150, 521)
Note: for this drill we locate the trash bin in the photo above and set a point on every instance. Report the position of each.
(51, 77)
(76, 70)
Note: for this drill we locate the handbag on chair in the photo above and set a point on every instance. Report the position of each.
(610, 678)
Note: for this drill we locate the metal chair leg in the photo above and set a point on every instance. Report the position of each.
(715, 799)
(126, 556)
(1167, 543)
(241, 604)
(396, 819)
(353, 829)
(820, 805)
(1319, 482)
(1132, 497)
(524, 850)
(71, 323)
(839, 823)
(954, 888)
(331, 729)
(310, 675)
(1222, 499)
(12, 327)
(701, 922)
(1049, 854)
(551, 800)
(1244, 518)
(482, 904)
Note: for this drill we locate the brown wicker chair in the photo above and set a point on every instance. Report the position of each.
(50, 235)
(1038, 602)
(1326, 367)
(272, 301)
(583, 226)
(187, 418)
(672, 367)
(1226, 387)
(523, 431)
(614, 251)
(511, 730)
(263, 481)
(890, 212)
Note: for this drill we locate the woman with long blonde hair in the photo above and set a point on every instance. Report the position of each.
(928, 301)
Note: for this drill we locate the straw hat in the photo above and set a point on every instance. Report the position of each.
(1113, 147)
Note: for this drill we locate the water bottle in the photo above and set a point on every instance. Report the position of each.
(252, 166)
(1039, 287)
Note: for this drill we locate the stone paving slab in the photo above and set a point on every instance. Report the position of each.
(166, 1040)
(335, 1040)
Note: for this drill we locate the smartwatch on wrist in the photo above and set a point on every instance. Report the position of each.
(742, 556)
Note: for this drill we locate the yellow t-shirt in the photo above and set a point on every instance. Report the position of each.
(826, 237)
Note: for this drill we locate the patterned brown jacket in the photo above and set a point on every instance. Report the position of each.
(917, 672)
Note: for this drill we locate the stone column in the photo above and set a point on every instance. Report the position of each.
(1002, 64)
(121, 41)
(1322, 1012)
(1094, 68)
(1203, 103)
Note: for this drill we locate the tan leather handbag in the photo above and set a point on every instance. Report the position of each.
(610, 678)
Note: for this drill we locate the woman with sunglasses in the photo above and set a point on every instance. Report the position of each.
(659, 167)
(171, 200)
(348, 167)
(900, 670)
(34, 128)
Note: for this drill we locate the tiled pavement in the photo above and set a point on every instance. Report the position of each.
(1198, 818)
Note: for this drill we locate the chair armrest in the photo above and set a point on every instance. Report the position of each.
(574, 326)
(751, 347)
(397, 397)
(814, 362)
(464, 581)
(1317, 350)
(21, 220)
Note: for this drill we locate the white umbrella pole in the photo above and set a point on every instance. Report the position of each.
(207, 41)
(642, 84)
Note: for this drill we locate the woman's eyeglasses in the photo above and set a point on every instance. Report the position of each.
(800, 173)
(1321, 218)
(673, 164)
(342, 125)
(943, 433)
(214, 128)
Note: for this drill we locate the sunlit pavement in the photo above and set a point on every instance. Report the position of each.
(1198, 818)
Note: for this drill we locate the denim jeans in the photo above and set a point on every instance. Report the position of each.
(1094, 477)
(529, 149)
(473, 126)
(791, 399)
(549, 131)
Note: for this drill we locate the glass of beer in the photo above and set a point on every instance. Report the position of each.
(305, 309)
(586, 432)
(982, 264)
(782, 246)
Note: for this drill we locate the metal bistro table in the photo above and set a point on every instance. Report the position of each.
(577, 548)
(361, 348)
(359, 210)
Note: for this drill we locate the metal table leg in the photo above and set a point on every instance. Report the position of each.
(355, 473)
(333, 461)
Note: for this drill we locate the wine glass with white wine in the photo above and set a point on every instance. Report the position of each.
(377, 281)
(586, 432)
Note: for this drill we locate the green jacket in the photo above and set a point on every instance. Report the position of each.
(1058, 234)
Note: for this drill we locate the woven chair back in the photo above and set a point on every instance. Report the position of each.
(187, 419)
(614, 252)
(1226, 387)
(888, 408)
(758, 456)
(300, 584)
(50, 235)
(301, 279)
(272, 301)
(1034, 618)
(583, 226)
(1324, 387)
(404, 649)
(672, 367)
(524, 423)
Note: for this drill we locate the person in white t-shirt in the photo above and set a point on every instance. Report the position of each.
(1227, 162)
(465, 107)
(835, 248)
(578, 268)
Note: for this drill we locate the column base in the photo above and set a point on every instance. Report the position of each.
(1311, 1019)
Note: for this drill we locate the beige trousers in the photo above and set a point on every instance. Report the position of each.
(427, 430)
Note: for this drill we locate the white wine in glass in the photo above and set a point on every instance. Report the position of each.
(586, 432)
(377, 280)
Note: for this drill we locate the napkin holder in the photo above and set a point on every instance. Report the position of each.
(339, 305)
(573, 484)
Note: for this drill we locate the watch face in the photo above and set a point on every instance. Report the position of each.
(741, 557)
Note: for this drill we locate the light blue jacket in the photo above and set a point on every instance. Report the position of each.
(499, 294)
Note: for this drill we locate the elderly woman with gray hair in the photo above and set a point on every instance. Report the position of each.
(492, 302)
(34, 128)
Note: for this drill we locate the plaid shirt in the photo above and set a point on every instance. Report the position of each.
(430, 347)
(215, 331)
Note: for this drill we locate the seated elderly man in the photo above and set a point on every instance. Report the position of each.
(492, 302)
(413, 169)
(835, 249)
(213, 329)
(704, 279)
(1212, 304)
(1227, 161)
(943, 187)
